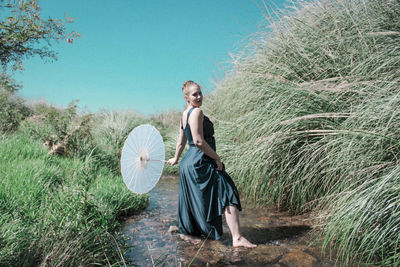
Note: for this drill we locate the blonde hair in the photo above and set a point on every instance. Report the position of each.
(187, 85)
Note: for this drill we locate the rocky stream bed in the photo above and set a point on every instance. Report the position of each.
(282, 239)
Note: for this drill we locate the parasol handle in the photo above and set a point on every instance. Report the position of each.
(157, 160)
(152, 159)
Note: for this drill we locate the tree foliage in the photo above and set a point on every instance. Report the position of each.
(24, 33)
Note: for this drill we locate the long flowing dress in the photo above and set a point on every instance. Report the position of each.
(204, 192)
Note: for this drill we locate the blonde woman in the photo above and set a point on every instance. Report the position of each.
(206, 191)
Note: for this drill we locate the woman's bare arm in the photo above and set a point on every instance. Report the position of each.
(180, 145)
(196, 127)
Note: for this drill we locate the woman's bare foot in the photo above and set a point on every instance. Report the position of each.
(191, 239)
(242, 242)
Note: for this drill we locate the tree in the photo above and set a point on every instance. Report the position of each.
(24, 33)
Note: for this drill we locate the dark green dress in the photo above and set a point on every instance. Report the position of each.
(204, 192)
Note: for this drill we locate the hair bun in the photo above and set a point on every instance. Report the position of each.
(187, 83)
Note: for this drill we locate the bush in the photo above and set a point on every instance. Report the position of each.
(13, 110)
(61, 126)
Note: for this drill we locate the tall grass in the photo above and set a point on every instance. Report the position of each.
(109, 132)
(58, 211)
(311, 112)
(374, 210)
(169, 122)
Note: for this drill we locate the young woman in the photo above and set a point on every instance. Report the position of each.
(206, 191)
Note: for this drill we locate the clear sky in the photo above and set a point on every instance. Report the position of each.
(135, 54)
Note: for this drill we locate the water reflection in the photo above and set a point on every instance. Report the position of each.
(282, 239)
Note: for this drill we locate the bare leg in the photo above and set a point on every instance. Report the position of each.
(232, 219)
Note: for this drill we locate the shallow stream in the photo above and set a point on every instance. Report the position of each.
(282, 240)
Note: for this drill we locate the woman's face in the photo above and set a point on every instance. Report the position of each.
(194, 97)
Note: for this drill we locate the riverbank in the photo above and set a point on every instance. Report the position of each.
(58, 211)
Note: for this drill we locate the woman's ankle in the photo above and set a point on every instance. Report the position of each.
(236, 238)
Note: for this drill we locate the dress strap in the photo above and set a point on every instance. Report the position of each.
(190, 111)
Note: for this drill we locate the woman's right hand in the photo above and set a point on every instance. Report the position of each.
(172, 161)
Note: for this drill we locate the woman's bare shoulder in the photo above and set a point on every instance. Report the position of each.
(197, 112)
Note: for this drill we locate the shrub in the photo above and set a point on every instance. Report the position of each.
(61, 126)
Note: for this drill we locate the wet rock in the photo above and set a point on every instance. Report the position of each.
(173, 229)
(218, 247)
(298, 258)
(210, 253)
(264, 254)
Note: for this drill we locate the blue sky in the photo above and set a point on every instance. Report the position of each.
(135, 54)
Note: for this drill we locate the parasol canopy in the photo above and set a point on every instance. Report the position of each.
(142, 158)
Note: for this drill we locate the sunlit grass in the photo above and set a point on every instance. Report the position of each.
(58, 211)
(366, 221)
(311, 110)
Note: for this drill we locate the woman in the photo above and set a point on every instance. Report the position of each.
(206, 191)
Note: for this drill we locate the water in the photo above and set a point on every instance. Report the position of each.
(282, 240)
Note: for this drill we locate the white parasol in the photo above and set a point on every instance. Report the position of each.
(142, 158)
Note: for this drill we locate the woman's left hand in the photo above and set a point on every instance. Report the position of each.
(219, 165)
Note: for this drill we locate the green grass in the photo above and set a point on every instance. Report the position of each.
(373, 209)
(58, 211)
(168, 123)
(310, 111)
(109, 131)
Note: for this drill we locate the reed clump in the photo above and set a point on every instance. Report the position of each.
(308, 119)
